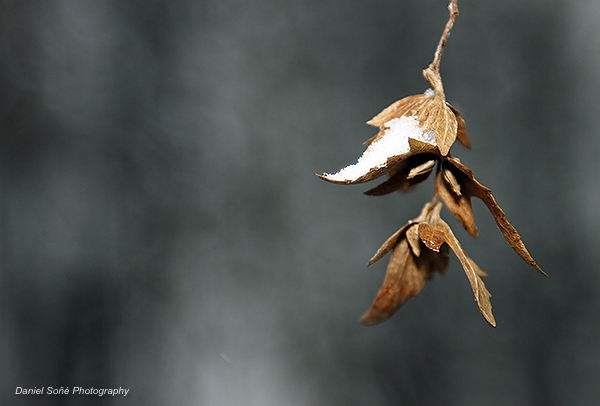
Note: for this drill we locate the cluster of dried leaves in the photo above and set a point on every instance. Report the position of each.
(421, 247)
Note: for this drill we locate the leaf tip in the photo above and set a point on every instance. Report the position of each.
(373, 317)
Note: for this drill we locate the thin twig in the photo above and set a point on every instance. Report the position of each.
(453, 8)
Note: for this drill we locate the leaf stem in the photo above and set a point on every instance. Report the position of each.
(432, 72)
(437, 56)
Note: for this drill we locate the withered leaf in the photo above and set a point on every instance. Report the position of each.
(388, 245)
(407, 173)
(398, 181)
(402, 281)
(459, 205)
(378, 159)
(412, 235)
(405, 277)
(410, 267)
(370, 174)
(451, 181)
(422, 169)
(471, 187)
(443, 122)
(437, 261)
(408, 106)
(461, 133)
(432, 236)
(482, 296)
(432, 113)
(394, 238)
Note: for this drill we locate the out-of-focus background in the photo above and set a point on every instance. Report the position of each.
(162, 229)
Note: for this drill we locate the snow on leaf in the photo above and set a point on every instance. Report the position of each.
(383, 152)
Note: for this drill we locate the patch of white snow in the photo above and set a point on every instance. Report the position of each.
(394, 142)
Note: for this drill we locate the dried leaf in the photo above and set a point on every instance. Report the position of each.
(451, 181)
(393, 240)
(412, 235)
(436, 261)
(408, 106)
(471, 187)
(459, 205)
(432, 236)
(405, 174)
(422, 169)
(461, 133)
(402, 281)
(396, 182)
(405, 277)
(368, 174)
(443, 122)
(432, 112)
(400, 139)
(388, 245)
(482, 296)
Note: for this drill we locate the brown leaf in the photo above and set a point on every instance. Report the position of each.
(443, 122)
(432, 113)
(388, 245)
(393, 240)
(372, 173)
(406, 272)
(436, 261)
(461, 133)
(422, 169)
(405, 277)
(421, 147)
(482, 296)
(412, 236)
(397, 181)
(408, 106)
(432, 236)
(365, 170)
(459, 205)
(403, 280)
(409, 172)
(471, 187)
(451, 181)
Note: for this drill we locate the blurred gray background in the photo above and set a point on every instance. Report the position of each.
(162, 229)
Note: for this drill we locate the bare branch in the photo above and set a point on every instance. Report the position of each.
(437, 56)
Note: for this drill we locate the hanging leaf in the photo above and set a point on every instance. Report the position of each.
(442, 121)
(412, 235)
(389, 244)
(398, 140)
(458, 204)
(405, 277)
(402, 281)
(407, 173)
(451, 181)
(411, 266)
(482, 296)
(432, 236)
(472, 187)
(461, 132)
(408, 106)
(432, 112)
